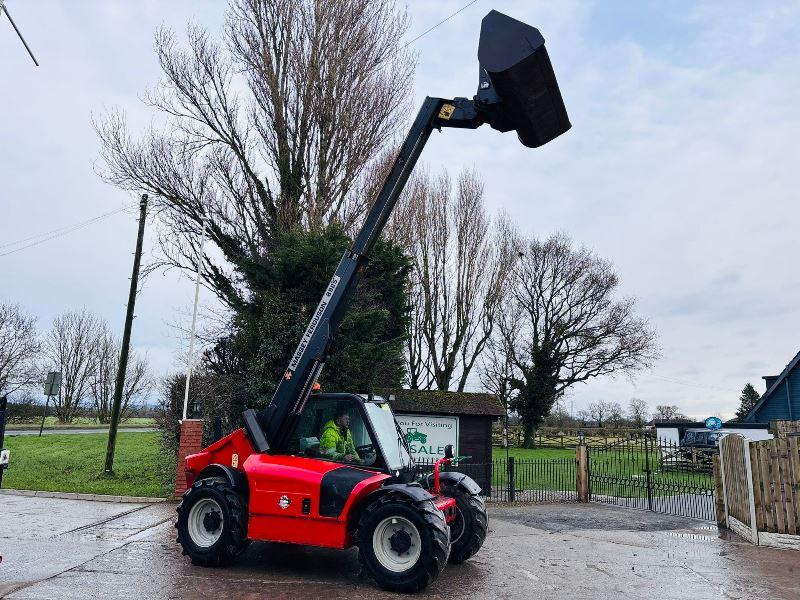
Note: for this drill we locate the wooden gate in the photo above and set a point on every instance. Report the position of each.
(761, 489)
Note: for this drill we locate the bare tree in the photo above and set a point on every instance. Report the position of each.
(278, 125)
(103, 378)
(461, 260)
(669, 412)
(637, 412)
(71, 347)
(615, 418)
(496, 374)
(564, 325)
(603, 411)
(19, 346)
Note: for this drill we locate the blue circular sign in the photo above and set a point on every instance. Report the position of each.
(713, 423)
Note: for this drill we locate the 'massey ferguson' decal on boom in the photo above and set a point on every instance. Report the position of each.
(312, 326)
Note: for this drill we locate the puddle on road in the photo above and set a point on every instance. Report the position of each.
(692, 536)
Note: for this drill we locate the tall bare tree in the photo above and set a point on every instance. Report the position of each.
(19, 346)
(461, 260)
(71, 347)
(638, 412)
(563, 325)
(103, 378)
(496, 374)
(276, 125)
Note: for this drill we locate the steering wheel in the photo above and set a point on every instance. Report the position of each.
(367, 453)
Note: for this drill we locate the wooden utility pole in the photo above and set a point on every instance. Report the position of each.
(126, 340)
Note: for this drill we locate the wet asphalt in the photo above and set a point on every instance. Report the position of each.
(56, 548)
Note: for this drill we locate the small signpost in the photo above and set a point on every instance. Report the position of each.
(52, 387)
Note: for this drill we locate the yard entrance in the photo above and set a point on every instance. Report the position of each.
(635, 472)
(656, 475)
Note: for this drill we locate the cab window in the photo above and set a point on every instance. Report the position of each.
(334, 430)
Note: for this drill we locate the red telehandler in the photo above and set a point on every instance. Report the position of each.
(335, 470)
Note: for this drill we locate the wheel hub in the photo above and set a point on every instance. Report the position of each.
(211, 521)
(205, 522)
(400, 541)
(397, 544)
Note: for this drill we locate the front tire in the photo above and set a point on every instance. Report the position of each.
(403, 545)
(212, 522)
(468, 531)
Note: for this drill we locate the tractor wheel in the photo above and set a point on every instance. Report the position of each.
(468, 531)
(403, 545)
(212, 522)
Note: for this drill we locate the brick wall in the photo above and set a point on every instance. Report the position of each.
(191, 442)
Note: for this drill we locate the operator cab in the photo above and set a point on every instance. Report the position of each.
(370, 439)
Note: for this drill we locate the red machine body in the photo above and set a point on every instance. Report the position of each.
(285, 493)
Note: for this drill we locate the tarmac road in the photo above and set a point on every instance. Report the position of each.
(56, 548)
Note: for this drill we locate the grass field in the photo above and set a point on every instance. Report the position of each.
(535, 453)
(613, 473)
(79, 423)
(74, 463)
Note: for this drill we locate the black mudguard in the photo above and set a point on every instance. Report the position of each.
(412, 491)
(236, 478)
(457, 480)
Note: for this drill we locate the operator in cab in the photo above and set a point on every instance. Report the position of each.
(336, 441)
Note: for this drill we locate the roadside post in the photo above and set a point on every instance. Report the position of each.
(4, 454)
(52, 388)
(119, 384)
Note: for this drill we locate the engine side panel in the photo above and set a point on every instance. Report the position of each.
(232, 450)
(336, 487)
(285, 497)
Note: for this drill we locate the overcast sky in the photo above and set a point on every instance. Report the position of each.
(681, 168)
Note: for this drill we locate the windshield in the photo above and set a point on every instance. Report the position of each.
(390, 438)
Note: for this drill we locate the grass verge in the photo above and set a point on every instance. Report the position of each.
(79, 423)
(74, 463)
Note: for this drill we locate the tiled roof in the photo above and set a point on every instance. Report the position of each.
(450, 403)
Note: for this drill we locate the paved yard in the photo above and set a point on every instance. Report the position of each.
(56, 548)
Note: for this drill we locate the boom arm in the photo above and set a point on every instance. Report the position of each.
(517, 91)
(278, 420)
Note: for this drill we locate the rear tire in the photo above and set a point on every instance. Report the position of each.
(468, 531)
(403, 545)
(212, 522)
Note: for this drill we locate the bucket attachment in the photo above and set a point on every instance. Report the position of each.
(518, 88)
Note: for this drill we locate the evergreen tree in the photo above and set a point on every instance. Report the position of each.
(367, 352)
(747, 401)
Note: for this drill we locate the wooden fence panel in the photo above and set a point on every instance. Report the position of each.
(777, 487)
(734, 472)
(758, 492)
(763, 482)
(793, 444)
(788, 487)
(763, 493)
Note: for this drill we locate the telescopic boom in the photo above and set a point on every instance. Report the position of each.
(517, 91)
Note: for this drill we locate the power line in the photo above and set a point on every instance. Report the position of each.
(41, 238)
(4, 8)
(692, 384)
(445, 20)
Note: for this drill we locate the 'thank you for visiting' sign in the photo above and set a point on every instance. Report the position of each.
(427, 435)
